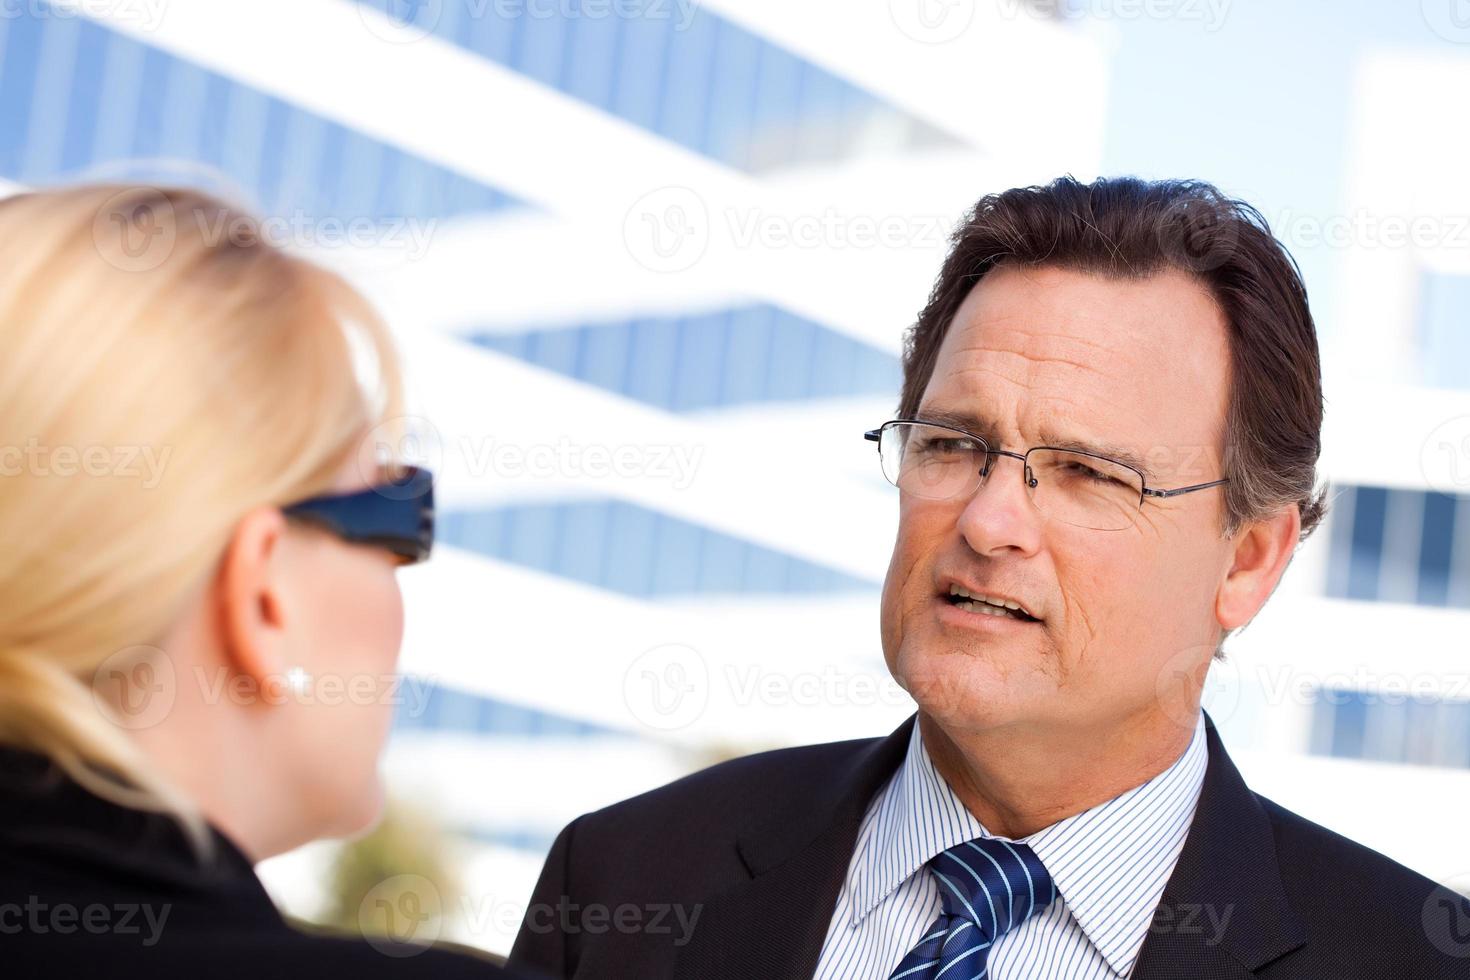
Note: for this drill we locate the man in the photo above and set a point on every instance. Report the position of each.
(1106, 452)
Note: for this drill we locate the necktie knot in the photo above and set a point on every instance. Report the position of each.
(994, 884)
(987, 887)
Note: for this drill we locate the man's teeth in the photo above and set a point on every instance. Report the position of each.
(988, 605)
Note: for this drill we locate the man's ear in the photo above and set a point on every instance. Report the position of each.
(250, 599)
(1261, 553)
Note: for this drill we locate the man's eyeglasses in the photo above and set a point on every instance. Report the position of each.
(397, 514)
(938, 462)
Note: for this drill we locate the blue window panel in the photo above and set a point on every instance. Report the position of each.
(635, 551)
(1436, 545)
(642, 58)
(361, 162)
(1366, 557)
(877, 371)
(149, 123)
(84, 97)
(778, 88)
(1349, 723)
(700, 372)
(592, 58)
(50, 98)
(821, 110)
(731, 357)
(453, 710)
(748, 353)
(1454, 728)
(679, 545)
(458, 710)
(686, 93)
(124, 62)
(399, 188)
(118, 100)
(605, 353)
(247, 119)
(789, 372)
(271, 168)
(732, 99)
(491, 36)
(628, 564)
(674, 69)
(186, 94)
(541, 47)
(482, 531)
(1444, 328)
(299, 180)
(1322, 725)
(517, 345)
(1421, 742)
(721, 564)
(834, 365)
(19, 63)
(652, 361)
(1340, 540)
(765, 571)
(215, 134)
(583, 551)
(533, 536)
(556, 350)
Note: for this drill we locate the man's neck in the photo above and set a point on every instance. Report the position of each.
(1019, 781)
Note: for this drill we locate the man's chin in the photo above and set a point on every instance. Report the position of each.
(966, 690)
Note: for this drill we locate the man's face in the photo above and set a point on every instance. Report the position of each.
(1036, 354)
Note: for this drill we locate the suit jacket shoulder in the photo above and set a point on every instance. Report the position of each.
(1365, 912)
(659, 859)
(733, 872)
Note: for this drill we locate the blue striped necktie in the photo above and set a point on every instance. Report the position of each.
(987, 887)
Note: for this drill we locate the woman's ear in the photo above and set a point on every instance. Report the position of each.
(1259, 559)
(250, 597)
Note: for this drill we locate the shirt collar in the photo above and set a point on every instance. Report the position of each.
(1109, 863)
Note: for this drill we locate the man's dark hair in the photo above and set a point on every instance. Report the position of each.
(1128, 228)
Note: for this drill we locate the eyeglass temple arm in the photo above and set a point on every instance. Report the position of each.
(873, 435)
(1151, 492)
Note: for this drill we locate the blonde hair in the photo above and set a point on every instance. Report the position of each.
(143, 323)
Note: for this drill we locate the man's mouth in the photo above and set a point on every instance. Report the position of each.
(986, 605)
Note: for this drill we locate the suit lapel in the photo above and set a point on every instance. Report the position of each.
(773, 925)
(1224, 913)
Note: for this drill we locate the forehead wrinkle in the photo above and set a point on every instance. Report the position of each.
(1047, 434)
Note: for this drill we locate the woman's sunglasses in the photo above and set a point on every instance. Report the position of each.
(397, 514)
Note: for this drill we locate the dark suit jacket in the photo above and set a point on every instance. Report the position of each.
(92, 889)
(754, 852)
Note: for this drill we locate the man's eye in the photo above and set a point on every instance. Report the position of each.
(947, 447)
(1085, 472)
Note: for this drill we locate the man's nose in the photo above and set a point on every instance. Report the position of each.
(999, 514)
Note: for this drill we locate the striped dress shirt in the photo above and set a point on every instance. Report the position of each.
(1110, 864)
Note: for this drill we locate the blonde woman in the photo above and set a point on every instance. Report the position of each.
(196, 540)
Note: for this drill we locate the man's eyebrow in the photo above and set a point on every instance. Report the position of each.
(986, 430)
(972, 424)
